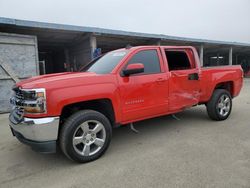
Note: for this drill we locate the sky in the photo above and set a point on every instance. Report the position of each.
(225, 20)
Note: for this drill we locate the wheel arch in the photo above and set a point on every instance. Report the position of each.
(227, 85)
(103, 106)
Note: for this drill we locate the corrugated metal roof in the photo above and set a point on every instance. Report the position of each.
(44, 25)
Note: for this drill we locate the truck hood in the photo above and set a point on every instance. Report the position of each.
(66, 79)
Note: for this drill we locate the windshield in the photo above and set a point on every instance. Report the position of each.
(106, 63)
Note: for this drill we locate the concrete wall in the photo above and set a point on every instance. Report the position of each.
(18, 59)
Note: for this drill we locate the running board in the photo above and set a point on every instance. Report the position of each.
(133, 128)
(176, 118)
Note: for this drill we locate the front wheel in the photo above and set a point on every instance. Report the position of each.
(85, 136)
(220, 105)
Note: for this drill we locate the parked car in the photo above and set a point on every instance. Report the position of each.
(77, 111)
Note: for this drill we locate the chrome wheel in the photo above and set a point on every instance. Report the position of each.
(89, 138)
(224, 105)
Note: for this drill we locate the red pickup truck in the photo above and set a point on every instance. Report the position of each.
(77, 110)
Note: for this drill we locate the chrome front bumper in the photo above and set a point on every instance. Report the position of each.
(36, 129)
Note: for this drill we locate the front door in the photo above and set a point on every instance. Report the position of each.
(144, 95)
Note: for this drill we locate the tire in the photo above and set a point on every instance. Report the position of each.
(85, 136)
(219, 106)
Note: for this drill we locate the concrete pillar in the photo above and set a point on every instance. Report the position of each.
(236, 60)
(218, 59)
(93, 45)
(230, 56)
(158, 43)
(201, 55)
(67, 64)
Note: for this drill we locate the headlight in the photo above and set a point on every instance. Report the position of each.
(34, 100)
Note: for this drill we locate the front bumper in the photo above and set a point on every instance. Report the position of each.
(39, 133)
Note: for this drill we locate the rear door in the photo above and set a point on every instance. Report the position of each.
(184, 84)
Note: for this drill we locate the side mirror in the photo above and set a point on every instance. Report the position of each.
(133, 69)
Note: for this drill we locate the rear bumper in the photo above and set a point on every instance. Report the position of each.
(39, 133)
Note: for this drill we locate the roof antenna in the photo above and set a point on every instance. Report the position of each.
(128, 46)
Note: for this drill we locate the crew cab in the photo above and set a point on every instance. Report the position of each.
(76, 111)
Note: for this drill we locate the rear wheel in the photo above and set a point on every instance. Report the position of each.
(220, 105)
(85, 136)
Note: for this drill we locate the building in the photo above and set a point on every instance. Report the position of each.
(29, 48)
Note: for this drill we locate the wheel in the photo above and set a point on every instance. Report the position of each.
(85, 136)
(220, 105)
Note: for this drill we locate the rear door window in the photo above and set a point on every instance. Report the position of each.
(178, 60)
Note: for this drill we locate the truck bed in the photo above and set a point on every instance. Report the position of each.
(211, 76)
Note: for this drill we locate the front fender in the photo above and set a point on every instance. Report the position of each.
(65, 96)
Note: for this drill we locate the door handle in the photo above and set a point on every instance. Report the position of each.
(175, 74)
(160, 80)
(193, 76)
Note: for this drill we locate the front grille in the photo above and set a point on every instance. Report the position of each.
(18, 100)
(17, 114)
(19, 93)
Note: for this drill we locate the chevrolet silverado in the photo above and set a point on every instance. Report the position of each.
(76, 111)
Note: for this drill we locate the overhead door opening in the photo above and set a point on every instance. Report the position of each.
(62, 54)
(52, 61)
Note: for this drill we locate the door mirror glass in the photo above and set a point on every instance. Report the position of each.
(134, 68)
